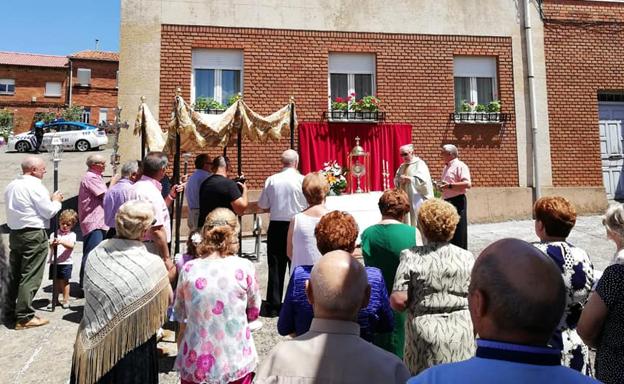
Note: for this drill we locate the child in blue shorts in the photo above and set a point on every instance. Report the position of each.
(65, 246)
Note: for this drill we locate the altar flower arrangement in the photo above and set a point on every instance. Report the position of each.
(335, 176)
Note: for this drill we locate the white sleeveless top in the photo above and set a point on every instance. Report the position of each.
(305, 251)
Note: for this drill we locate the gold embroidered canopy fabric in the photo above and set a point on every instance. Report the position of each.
(201, 130)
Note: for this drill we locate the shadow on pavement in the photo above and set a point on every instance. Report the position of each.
(76, 315)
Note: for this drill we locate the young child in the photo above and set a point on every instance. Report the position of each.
(65, 246)
(194, 238)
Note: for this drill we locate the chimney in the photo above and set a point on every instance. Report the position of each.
(97, 44)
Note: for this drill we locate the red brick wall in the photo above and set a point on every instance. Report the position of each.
(102, 93)
(414, 81)
(30, 82)
(583, 45)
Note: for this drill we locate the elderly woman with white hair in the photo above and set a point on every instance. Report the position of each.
(127, 291)
(455, 181)
(614, 225)
(414, 179)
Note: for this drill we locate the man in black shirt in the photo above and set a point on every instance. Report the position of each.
(219, 191)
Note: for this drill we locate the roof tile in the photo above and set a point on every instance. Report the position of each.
(33, 60)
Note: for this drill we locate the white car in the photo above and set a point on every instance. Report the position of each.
(74, 135)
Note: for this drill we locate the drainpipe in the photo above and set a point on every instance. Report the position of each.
(532, 104)
(71, 85)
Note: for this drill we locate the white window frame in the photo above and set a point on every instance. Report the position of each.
(84, 74)
(351, 64)
(51, 92)
(86, 115)
(103, 111)
(7, 82)
(474, 67)
(217, 60)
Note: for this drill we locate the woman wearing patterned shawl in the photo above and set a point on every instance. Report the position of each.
(555, 217)
(127, 291)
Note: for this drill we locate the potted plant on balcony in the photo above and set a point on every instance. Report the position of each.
(207, 104)
(472, 112)
(339, 108)
(366, 107)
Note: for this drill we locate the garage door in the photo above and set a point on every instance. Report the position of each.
(611, 148)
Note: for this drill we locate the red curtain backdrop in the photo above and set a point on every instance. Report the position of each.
(320, 142)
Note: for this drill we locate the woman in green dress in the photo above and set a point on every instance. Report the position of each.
(381, 247)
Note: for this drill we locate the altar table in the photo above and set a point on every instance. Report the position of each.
(362, 206)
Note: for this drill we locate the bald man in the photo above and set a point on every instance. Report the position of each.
(91, 206)
(332, 351)
(516, 299)
(29, 208)
(283, 197)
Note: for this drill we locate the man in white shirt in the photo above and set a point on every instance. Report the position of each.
(283, 197)
(29, 208)
(201, 173)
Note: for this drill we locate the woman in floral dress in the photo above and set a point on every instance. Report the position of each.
(555, 217)
(217, 295)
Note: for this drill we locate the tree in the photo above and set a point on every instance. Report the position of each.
(6, 118)
(73, 113)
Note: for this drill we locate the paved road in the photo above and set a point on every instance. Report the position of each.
(44, 354)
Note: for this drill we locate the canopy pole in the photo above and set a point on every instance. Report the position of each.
(292, 122)
(176, 174)
(239, 155)
(142, 128)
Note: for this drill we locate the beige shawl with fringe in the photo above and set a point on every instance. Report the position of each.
(126, 297)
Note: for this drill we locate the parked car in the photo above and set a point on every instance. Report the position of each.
(74, 135)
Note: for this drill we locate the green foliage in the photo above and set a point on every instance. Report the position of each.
(339, 104)
(73, 113)
(233, 99)
(46, 117)
(6, 118)
(494, 106)
(466, 106)
(367, 103)
(480, 108)
(204, 103)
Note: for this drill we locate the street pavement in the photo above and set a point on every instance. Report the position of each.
(43, 355)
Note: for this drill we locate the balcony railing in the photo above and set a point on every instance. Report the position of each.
(479, 117)
(210, 111)
(354, 116)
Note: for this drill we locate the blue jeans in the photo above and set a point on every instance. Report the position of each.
(91, 240)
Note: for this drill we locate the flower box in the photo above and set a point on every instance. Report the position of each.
(479, 117)
(354, 116)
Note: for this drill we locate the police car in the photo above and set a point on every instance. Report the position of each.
(74, 135)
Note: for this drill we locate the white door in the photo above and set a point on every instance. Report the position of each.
(611, 148)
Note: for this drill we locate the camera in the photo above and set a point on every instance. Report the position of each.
(240, 179)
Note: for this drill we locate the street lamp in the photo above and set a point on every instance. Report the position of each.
(55, 156)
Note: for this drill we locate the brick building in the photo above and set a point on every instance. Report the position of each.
(32, 84)
(94, 84)
(421, 59)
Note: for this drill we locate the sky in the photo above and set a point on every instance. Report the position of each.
(59, 27)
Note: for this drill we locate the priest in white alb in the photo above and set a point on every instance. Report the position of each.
(413, 178)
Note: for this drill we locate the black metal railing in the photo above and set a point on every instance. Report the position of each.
(210, 111)
(479, 117)
(354, 116)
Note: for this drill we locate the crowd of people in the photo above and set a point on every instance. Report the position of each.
(402, 301)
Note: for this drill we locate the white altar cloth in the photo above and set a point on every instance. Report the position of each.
(362, 206)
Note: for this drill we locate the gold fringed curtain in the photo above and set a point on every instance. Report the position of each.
(154, 136)
(200, 130)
